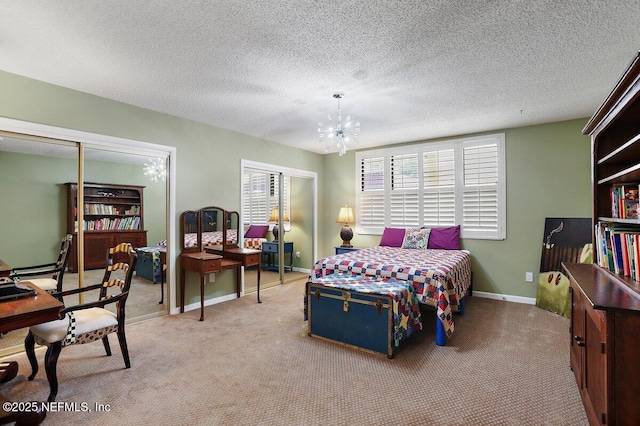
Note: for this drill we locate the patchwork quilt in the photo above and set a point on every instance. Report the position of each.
(440, 278)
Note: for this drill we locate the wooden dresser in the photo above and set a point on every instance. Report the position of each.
(605, 296)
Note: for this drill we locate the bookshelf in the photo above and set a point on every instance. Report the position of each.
(112, 214)
(605, 297)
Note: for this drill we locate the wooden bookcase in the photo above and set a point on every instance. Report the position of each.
(113, 214)
(605, 306)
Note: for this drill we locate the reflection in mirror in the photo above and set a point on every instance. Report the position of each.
(33, 217)
(123, 204)
(232, 229)
(189, 230)
(212, 226)
(298, 190)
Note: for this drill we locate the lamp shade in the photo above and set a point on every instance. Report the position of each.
(345, 215)
(274, 216)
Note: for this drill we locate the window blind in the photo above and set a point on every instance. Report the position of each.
(460, 181)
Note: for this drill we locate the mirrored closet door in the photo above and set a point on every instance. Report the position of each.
(287, 255)
(125, 202)
(39, 179)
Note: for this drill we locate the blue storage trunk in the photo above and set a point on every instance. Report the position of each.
(360, 320)
(148, 265)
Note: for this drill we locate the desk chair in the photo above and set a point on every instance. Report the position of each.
(54, 270)
(87, 322)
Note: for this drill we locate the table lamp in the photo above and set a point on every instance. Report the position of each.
(346, 216)
(274, 218)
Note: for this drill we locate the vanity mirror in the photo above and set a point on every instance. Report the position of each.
(212, 228)
(191, 238)
(232, 229)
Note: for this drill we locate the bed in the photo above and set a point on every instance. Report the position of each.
(441, 277)
(254, 236)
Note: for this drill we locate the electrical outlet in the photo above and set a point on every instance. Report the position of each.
(528, 276)
(298, 254)
(212, 277)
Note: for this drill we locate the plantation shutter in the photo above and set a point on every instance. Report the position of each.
(481, 188)
(435, 184)
(404, 198)
(439, 182)
(260, 195)
(371, 209)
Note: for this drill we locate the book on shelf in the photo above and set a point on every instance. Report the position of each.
(618, 249)
(631, 202)
(625, 201)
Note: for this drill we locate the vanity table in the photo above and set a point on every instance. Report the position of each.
(209, 245)
(203, 263)
(248, 257)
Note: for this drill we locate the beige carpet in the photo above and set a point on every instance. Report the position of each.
(253, 364)
(142, 303)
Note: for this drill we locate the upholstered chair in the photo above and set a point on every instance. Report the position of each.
(54, 272)
(89, 321)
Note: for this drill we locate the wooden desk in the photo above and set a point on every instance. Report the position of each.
(29, 310)
(204, 263)
(24, 312)
(247, 257)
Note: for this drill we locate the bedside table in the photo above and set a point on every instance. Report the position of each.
(340, 249)
(270, 248)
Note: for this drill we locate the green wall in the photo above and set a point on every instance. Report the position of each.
(208, 158)
(39, 219)
(548, 175)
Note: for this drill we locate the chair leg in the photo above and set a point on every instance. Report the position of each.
(105, 342)
(123, 347)
(50, 364)
(29, 347)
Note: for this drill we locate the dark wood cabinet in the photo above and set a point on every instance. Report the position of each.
(604, 345)
(113, 214)
(605, 306)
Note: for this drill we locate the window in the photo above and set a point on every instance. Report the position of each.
(460, 181)
(260, 195)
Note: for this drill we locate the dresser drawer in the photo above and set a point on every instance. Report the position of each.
(252, 259)
(269, 247)
(211, 265)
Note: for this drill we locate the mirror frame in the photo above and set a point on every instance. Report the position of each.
(226, 219)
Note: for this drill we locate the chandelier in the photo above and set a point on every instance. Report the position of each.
(155, 168)
(337, 133)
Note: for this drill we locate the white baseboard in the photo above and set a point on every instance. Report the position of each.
(207, 302)
(505, 297)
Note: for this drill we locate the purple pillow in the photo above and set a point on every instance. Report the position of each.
(257, 231)
(445, 238)
(392, 237)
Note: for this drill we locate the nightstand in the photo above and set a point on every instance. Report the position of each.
(270, 248)
(340, 249)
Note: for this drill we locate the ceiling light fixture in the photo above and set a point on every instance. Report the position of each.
(155, 168)
(338, 134)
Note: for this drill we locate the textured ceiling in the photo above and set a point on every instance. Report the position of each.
(410, 70)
